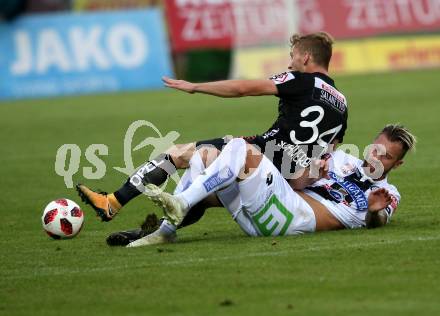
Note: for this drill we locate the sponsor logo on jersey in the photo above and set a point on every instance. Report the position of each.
(273, 219)
(296, 153)
(329, 95)
(353, 190)
(338, 195)
(269, 178)
(282, 78)
(217, 179)
(271, 133)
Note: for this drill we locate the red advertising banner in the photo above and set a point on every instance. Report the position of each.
(194, 24)
(361, 18)
(225, 23)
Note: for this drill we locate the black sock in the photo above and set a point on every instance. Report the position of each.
(155, 171)
(194, 214)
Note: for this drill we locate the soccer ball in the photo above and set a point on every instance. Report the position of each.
(62, 218)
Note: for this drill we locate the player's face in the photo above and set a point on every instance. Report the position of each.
(390, 158)
(297, 60)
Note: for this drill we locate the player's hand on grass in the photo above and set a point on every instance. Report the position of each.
(179, 84)
(378, 200)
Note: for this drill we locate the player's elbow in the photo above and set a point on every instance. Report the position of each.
(376, 219)
(242, 91)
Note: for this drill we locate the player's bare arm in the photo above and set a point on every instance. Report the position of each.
(225, 88)
(318, 169)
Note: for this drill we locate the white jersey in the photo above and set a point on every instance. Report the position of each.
(345, 194)
(264, 204)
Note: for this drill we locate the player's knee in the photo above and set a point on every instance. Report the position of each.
(208, 154)
(238, 147)
(252, 161)
(181, 154)
(235, 146)
(237, 143)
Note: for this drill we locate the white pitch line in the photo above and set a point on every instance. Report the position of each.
(186, 262)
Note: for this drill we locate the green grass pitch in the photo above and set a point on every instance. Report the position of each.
(214, 269)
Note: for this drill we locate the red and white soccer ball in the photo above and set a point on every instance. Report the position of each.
(62, 218)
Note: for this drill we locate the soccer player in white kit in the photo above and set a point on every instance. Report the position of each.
(344, 192)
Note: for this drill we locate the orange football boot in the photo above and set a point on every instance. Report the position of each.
(105, 205)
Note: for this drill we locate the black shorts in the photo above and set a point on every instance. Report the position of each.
(219, 143)
(215, 142)
(258, 141)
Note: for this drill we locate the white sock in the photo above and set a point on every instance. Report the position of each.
(221, 173)
(166, 228)
(195, 168)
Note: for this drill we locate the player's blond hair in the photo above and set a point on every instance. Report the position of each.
(319, 45)
(399, 133)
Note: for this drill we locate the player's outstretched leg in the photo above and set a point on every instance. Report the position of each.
(154, 171)
(174, 208)
(105, 205)
(223, 171)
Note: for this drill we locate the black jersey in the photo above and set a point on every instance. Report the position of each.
(311, 114)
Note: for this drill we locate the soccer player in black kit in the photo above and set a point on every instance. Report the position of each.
(312, 114)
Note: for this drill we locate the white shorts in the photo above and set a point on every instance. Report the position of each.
(265, 205)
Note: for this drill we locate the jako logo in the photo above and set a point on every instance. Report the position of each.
(124, 45)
